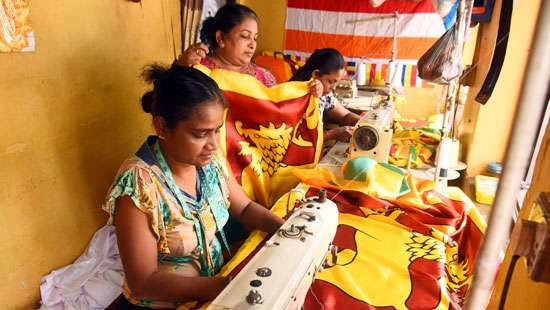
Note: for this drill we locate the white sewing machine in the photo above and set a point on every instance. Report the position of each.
(280, 274)
(372, 136)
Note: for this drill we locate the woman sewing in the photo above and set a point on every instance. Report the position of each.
(327, 65)
(170, 201)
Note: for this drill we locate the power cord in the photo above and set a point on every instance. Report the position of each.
(507, 281)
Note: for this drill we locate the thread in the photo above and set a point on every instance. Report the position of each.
(390, 73)
(455, 152)
(445, 153)
(361, 75)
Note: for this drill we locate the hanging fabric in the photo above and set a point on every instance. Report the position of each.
(191, 11)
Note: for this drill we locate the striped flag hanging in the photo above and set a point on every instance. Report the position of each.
(359, 30)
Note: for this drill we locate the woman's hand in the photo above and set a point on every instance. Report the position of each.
(340, 134)
(192, 55)
(316, 88)
(217, 284)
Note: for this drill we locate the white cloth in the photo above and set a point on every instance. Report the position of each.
(93, 281)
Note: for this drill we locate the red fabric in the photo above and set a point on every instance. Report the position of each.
(388, 7)
(252, 113)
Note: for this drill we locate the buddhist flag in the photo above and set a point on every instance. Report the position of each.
(268, 132)
(360, 31)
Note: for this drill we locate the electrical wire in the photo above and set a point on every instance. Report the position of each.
(507, 281)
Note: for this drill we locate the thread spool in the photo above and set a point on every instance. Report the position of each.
(361, 75)
(392, 76)
(378, 80)
(455, 151)
(445, 153)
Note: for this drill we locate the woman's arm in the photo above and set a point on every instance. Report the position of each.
(138, 250)
(250, 213)
(340, 134)
(342, 116)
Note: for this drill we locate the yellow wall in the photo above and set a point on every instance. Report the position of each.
(272, 15)
(490, 125)
(71, 114)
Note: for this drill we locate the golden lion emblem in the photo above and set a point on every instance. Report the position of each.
(270, 146)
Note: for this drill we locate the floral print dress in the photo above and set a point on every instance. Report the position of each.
(180, 248)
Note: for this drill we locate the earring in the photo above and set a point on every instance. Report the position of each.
(161, 137)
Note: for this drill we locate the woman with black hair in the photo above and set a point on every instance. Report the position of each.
(170, 202)
(229, 42)
(327, 65)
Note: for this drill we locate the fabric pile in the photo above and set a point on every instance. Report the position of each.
(93, 281)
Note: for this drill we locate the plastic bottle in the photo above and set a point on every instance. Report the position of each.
(494, 169)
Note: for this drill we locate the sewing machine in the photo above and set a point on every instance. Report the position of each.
(372, 136)
(346, 89)
(280, 274)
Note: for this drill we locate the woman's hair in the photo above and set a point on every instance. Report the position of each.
(227, 17)
(177, 91)
(326, 60)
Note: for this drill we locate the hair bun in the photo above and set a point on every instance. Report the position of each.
(155, 72)
(208, 31)
(147, 102)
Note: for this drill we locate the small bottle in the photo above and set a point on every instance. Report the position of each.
(494, 169)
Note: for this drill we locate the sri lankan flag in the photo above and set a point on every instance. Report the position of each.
(415, 251)
(268, 132)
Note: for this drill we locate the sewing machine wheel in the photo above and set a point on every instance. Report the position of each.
(366, 138)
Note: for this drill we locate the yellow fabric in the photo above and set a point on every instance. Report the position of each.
(417, 145)
(248, 85)
(377, 272)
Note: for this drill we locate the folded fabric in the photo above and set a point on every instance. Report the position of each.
(417, 145)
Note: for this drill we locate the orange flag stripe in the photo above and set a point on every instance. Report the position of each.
(379, 47)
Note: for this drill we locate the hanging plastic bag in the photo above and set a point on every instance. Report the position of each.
(443, 61)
